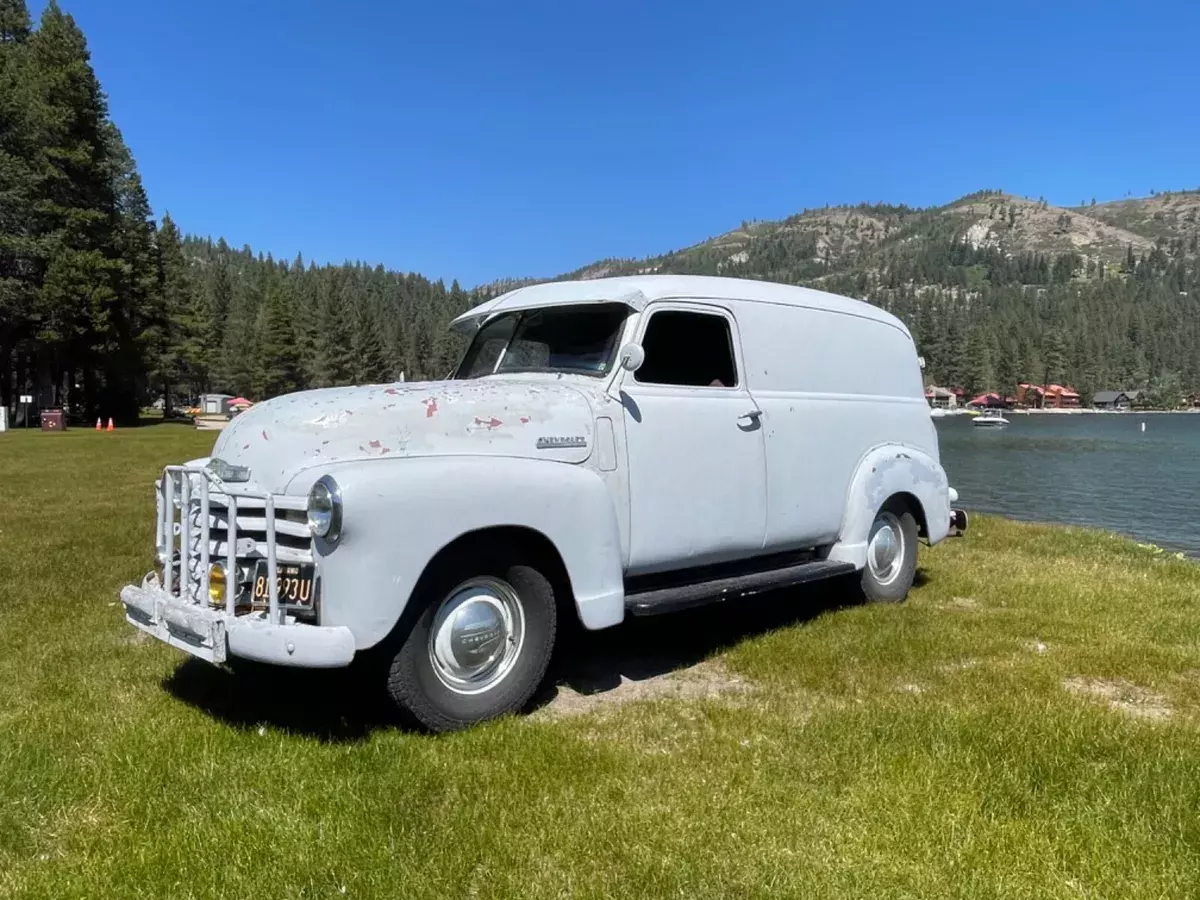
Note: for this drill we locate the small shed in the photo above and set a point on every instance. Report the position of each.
(214, 404)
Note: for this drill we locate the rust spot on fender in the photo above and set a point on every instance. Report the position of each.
(430, 407)
(489, 424)
(524, 420)
(375, 445)
(391, 391)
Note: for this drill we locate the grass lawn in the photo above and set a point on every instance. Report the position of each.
(1027, 725)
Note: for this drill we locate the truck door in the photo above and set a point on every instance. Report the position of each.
(694, 435)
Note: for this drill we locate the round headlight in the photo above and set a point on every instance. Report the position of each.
(325, 509)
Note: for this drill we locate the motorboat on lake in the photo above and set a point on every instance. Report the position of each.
(990, 417)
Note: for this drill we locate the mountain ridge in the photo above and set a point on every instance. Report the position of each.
(834, 237)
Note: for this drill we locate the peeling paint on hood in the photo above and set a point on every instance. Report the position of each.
(279, 438)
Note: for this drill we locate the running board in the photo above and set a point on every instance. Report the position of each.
(683, 596)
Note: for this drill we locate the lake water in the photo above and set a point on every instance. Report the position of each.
(1097, 470)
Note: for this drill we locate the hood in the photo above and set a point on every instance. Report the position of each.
(279, 438)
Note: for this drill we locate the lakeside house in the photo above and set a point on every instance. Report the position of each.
(1049, 396)
(1115, 399)
(941, 398)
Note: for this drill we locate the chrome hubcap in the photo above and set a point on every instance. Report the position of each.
(477, 635)
(885, 548)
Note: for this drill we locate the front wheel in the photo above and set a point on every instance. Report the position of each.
(891, 555)
(480, 645)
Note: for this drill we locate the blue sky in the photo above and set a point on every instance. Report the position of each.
(491, 139)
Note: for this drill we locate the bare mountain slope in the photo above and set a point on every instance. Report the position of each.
(1163, 217)
(821, 238)
(1017, 225)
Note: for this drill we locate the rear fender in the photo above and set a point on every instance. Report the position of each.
(884, 472)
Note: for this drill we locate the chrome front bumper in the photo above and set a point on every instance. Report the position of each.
(213, 635)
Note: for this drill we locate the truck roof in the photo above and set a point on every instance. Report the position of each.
(636, 291)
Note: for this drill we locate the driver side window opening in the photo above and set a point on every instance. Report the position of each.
(689, 349)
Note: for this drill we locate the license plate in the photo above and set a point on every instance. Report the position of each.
(294, 584)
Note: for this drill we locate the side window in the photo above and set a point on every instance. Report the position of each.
(688, 348)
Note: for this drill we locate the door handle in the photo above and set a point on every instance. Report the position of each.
(751, 416)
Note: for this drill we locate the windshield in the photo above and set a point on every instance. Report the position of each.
(579, 339)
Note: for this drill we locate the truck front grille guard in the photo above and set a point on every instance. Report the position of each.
(174, 492)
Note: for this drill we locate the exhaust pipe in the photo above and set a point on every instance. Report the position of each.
(958, 522)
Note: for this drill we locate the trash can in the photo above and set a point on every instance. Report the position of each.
(53, 420)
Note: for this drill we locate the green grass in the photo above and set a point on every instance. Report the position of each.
(1025, 726)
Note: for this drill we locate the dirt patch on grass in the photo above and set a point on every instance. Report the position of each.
(132, 637)
(708, 680)
(1122, 696)
(961, 603)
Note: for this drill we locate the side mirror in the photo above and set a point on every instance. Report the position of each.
(631, 357)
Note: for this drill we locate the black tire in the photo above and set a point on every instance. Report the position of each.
(412, 681)
(895, 586)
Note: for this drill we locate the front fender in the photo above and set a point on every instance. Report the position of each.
(885, 471)
(399, 513)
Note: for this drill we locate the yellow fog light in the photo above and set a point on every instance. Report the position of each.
(216, 584)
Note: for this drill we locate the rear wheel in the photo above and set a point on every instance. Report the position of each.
(891, 555)
(480, 642)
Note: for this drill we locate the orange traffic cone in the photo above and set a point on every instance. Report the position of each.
(98, 424)
(110, 424)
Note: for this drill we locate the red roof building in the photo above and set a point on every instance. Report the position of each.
(1051, 396)
(990, 401)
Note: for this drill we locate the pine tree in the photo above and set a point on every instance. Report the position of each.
(278, 361)
(236, 372)
(83, 317)
(20, 257)
(218, 291)
(981, 375)
(370, 361)
(136, 322)
(182, 358)
(334, 350)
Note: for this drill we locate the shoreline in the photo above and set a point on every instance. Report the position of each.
(1176, 551)
(962, 411)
